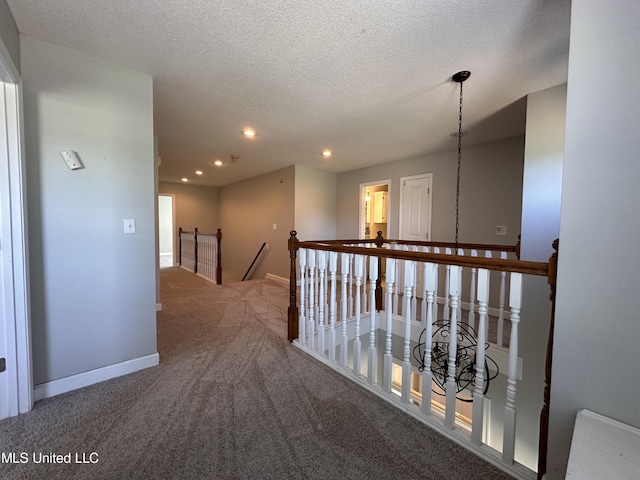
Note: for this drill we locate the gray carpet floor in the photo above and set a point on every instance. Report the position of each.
(231, 399)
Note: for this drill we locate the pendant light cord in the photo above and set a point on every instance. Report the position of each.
(458, 174)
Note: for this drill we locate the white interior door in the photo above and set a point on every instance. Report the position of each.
(415, 207)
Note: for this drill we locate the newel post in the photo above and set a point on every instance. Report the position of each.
(379, 243)
(544, 415)
(180, 246)
(292, 331)
(219, 258)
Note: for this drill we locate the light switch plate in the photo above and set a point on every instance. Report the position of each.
(501, 230)
(72, 159)
(129, 226)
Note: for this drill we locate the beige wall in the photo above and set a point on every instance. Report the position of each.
(195, 206)
(248, 210)
(315, 204)
(490, 192)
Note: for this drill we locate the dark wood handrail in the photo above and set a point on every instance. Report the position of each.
(264, 244)
(508, 265)
(464, 246)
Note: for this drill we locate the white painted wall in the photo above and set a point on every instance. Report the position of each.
(92, 287)
(596, 353)
(315, 204)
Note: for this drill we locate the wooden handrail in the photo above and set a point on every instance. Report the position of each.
(464, 246)
(508, 265)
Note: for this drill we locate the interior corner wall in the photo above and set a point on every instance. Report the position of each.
(195, 206)
(92, 286)
(248, 211)
(315, 204)
(596, 364)
(490, 192)
(541, 192)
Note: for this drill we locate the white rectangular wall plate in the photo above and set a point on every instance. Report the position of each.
(501, 230)
(72, 159)
(129, 225)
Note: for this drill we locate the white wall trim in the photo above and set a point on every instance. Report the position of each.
(84, 379)
(275, 278)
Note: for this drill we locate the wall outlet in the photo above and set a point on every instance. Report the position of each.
(501, 230)
(72, 159)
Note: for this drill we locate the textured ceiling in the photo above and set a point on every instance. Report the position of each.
(370, 80)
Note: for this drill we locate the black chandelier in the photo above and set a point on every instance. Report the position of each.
(467, 345)
(467, 342)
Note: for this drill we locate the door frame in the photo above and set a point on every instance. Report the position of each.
(174, 230)
(16, 382)
(363, 204)
(429, 203)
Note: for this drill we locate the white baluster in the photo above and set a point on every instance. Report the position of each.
(333, 267)
(322, 264)
(472, 294)
(398, 290)
(430, 282)
(345, 259)
(503, 277)
(313, 298)
(388, 357)
(478, 394)
(414, 293)
(373, 354)
(423, 306)
(451, 387)
(326, 291)
(365, 275)
(302, 323)
(509, 434)
(350, 304)
(409, 284)
(436, 250)
(447, 289)
(357, 345)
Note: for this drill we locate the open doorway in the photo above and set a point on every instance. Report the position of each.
(374, 209)
(166, 230)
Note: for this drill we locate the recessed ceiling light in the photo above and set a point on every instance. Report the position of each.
(326, 153)
(218, 163)
(185, 179)
(198, 172)
(249, 132)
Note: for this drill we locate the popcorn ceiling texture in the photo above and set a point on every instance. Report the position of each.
(370, 80)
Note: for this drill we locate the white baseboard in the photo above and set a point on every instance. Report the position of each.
(84, 379)
(275, 278)
(158, 307)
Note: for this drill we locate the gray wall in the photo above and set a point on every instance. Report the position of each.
(9, 37)
(92, 287)
(315, 204)
(248, 210)
(596, 354)
(541, 190)
(490, 192)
